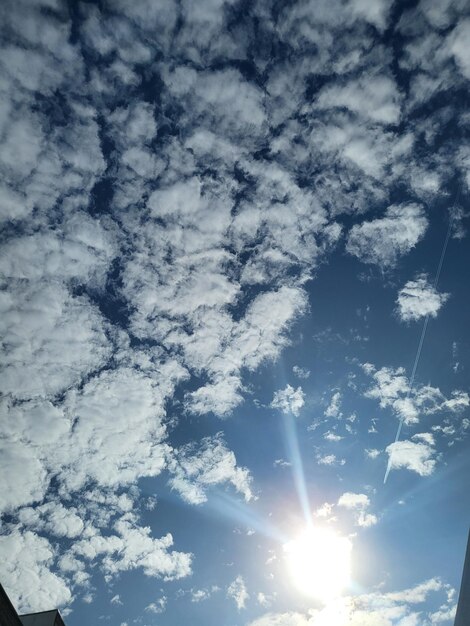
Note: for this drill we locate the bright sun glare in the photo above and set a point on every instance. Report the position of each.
(319, 562)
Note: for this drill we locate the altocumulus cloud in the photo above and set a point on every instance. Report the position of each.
(159, 237)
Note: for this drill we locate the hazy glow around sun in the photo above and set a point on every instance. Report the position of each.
(319, 562)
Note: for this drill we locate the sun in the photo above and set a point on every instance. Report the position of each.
(319, 563)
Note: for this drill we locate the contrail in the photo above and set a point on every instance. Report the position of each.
(423, 331)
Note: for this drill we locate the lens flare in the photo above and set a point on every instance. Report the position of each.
(319, 563)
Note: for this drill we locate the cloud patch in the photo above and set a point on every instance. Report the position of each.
(417, 456)
(359, 503)
(419, 298)
(384, 240)
(288, 400)
(197, 467)
(391, 388)
(237, 591)
(374, 609)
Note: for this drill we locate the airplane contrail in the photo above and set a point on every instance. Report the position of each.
(423, 331)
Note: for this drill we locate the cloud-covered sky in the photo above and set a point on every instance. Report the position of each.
(222, 224)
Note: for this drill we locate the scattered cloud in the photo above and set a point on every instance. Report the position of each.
(382, 241)
(331, 436)
(329, 459)
(132, 547)
(27, 556)
(237, 591)
(170, 185)
(416, 456)
(376, 98)
(301, 372)
(196, 468)
(333, 409)
(457, 44)
(418, 298)
(374, 609)
(359, 503)
(392, 388)
(325, 511)
(158, 606)
(282, 463)
(200, 595)
(262, 599)
(288, 400)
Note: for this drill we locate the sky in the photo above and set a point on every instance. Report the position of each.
(234, 264)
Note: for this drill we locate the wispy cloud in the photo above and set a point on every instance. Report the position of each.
(237, 591)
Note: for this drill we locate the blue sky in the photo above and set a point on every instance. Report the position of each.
(222, 223)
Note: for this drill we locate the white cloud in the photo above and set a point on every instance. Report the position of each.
(366, 519)
(354, 500)
(443, 615)
(415, 456)
(158, 606)
(82, 252)
(282, 463)
(359, 503)
(235, 105)
(264, 600)
(53, 517)
(457, 42)
(425, 437)
(24, 476)
(325, 510)
(131, 547)
(331, 436)
(368, 150)
(372, 453)
(333, 409)
(55, 340)
(329, 459)
(288, 400)
(376, 98)
(392, 388)
(375, 13)
(382, 241)
(220, 396)
(196, 468)
(200, 595)
(418, 298)
(374, 609)
(25, 573)
(301, 372)
(206, 269)
(102, 447)
(441, 13)
(237, 591)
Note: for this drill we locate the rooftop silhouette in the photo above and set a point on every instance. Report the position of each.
(9, 616)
